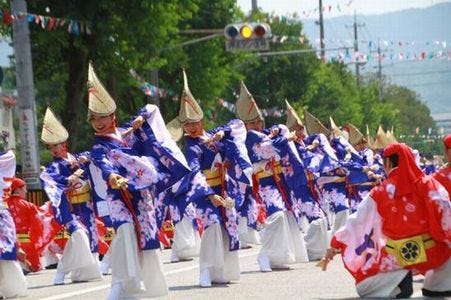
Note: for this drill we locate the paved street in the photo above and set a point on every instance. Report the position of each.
(303, 281)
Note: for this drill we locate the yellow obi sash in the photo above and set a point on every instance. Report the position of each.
(23, 237)
(274, 169)
(410, 251)
(82, 194)
(63, 234)
(214, 178)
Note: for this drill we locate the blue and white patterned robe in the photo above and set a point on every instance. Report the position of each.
(149, 161)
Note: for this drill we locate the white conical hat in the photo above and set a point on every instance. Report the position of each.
(175, 129)
(381, 140)
(369, 139)
(335, 130)
(355, 136)
(53, 132)
(390, 136)
(246, 107)
(100, 102)
(190, 111)
(313, 125)
(292, 117)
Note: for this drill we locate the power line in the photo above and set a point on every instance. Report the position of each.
(420, 73)
(429, 83)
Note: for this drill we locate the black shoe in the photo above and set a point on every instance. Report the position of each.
(406, 286)
(429, 293)
(50, 267)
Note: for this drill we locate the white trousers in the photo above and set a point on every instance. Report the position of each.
(135, 273)
(12, 280)
(282, 240)
(246, 234)
(385, 285)
(78, 259)
(316, 239)
(223, 264)
(186, 240)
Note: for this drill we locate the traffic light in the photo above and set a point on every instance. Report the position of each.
(247, 36)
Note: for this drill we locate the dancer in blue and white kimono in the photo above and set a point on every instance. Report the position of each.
(331, 175)
(67, 186)
(282, 240)
(316, 237)
(129, 168)
(366, 172)
(12, 280)
(218, 163)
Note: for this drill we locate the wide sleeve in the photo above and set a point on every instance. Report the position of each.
(438, 207)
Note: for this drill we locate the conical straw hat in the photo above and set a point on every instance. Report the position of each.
(175, 129)
(390, 137)
(190, 111)
(335, 130)
(53, 132)
(313, 125)
(355, 136)
(246, 107)
(292, 117)
(381, 140)
(369, 139)
(100, 102)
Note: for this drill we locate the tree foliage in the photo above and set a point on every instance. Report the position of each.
(148, 35)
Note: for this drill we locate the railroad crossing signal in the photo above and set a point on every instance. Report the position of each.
(247, 36)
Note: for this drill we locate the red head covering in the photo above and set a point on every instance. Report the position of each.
(409, 172)
(17, 183)
(447, 141)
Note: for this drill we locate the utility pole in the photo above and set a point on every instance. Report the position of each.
(26, 101)
(356, 48)
(379, 67)
(321, 31)
(254, 6)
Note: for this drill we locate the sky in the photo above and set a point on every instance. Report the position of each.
(334, 8)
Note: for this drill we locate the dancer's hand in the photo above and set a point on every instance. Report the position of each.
(216, 200)
(116, 181)
(138, 122)
(328, 256)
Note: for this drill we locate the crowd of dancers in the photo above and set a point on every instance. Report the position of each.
(301, 190)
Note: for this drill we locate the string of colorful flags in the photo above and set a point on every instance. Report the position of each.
(301, 39)
(48, 23)
(349, 56)
(152, 91)
(327, 8)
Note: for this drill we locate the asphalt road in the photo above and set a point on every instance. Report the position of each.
(302, 281)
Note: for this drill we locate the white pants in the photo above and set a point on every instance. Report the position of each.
(223, 264)
(12, 280)
(246, 234)
(78, 259)
(316, 239)
(382, 285)
(385, 285)
(135, 273)
(282, 240)
(439, 280)
(186, 240)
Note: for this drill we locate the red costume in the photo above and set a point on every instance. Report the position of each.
(32, 235)
(405, 223)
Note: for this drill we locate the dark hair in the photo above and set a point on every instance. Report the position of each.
(394, 159)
